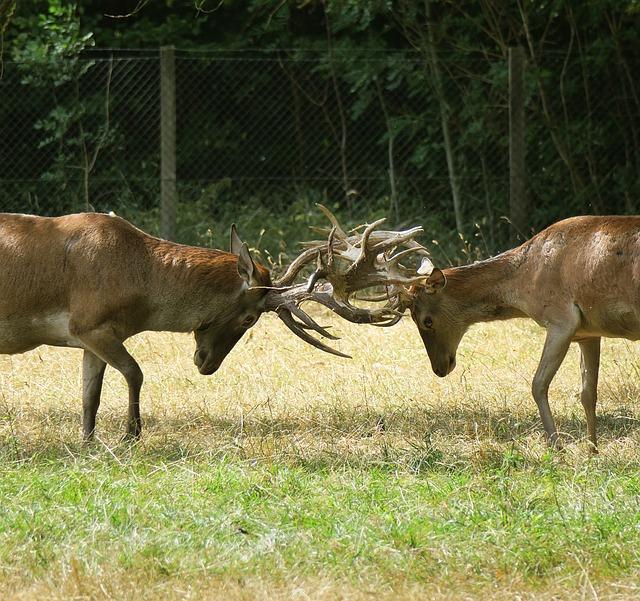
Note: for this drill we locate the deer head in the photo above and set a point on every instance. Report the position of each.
(215, 339)
(439, 320)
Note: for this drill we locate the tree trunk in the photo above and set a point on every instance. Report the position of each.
(518, 206)
(444, 119)
(168, 194)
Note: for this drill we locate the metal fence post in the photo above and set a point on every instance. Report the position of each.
(518, 205)
(168, 196)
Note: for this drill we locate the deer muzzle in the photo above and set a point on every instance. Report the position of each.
(205, 363)
(443, 367)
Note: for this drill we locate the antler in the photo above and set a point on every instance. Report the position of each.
(372, 259)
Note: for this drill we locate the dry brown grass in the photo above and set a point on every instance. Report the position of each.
(127, 586)
(276, 401)
(275, 397)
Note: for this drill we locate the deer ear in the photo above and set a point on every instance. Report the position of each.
(245, 264)
(426, 266)
(436, 281)
(236, 243)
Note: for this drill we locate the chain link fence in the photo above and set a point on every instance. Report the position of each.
(275, 130)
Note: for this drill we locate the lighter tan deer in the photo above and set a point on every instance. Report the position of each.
(579, 279)
(91, 281)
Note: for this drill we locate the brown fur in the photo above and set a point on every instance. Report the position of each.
(90, 281)
(579, 278)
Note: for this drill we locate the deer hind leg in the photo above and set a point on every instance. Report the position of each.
(555, 350)
(107, 347)
(92, 375)
(589, 366)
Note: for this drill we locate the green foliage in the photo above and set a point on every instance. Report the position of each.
(48, 46)
(345, 69)
(51, 61)
(273, 230)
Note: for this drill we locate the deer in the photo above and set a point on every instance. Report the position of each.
(578, 278)
(91, 281)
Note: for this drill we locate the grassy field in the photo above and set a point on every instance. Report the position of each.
(291, 474)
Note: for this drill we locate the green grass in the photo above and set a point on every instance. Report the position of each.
(291, 474)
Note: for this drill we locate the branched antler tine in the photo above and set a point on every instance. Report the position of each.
(395, 259)
(392, 322)
(364, 240)
(419, 248)
(332, 233)
(391, 238)
(331, 217)
(351, 313)
(395, 303)
(354, 230)
(398, 238)
(401, 280)
(292, 271)
(291, 323)
(309, 322)
(403, 238)
(367, 257)
(319, 273)
(319, 230)
(348, 253)
(368, 230)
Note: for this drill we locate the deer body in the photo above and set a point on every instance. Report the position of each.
(579, 279)
(91, 281)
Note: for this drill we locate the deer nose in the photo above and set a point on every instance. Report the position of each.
(446, 368)
(199, 357)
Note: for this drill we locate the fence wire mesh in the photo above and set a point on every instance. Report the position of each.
(269, 128)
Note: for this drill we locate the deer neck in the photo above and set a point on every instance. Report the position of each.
(485, 291)
(191, 286)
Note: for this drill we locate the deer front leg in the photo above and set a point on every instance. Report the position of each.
(555, 349)
(589, 366)
(92, 375)
(108, 348)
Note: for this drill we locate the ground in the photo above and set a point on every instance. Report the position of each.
(291, 474)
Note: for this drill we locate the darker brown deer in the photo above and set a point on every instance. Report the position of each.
(579, 279)
(91, 281)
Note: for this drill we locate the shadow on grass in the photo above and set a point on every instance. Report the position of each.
(411, 421)
(318, 437)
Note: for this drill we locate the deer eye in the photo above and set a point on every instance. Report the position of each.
(249, 321)
(202, 328)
